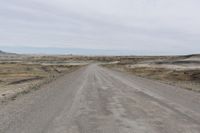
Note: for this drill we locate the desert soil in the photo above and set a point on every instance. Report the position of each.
(94, 99)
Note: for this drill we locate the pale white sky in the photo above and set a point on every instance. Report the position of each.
(168, 26)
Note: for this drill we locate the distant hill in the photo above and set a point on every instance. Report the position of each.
(192, 55)
(2, 53)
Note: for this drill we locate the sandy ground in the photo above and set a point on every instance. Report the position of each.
(99, 100)
(168, 66)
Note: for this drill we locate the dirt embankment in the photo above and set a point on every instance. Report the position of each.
(18, 76)
(183, 71)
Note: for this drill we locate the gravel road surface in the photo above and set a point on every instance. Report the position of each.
(98, 100)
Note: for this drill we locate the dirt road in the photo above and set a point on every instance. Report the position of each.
(98, 100)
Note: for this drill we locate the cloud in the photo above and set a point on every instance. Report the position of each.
(144, 25)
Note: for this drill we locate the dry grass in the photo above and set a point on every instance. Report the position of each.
(16, 73)
(21, 75)
(178, 70)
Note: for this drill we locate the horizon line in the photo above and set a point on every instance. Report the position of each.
(86, 51)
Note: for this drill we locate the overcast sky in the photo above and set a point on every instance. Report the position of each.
(144, 26)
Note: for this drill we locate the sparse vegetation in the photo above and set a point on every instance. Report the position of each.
(183, 71)
(21, 74)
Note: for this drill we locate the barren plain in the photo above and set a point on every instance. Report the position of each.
(82, 94)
